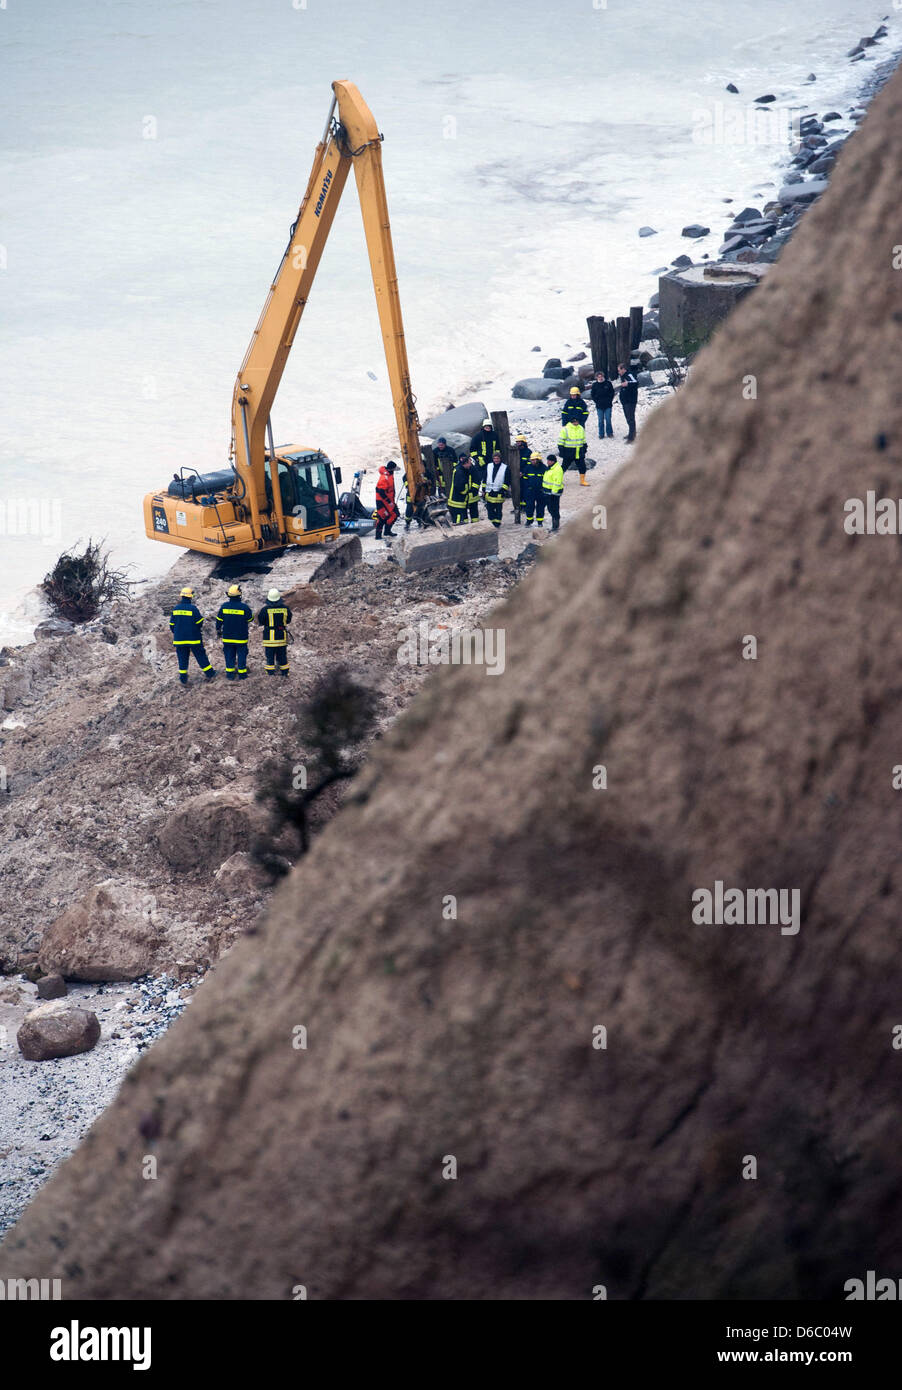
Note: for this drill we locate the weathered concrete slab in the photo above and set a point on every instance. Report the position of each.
(434, 547)
(320, 562)
(694, 302)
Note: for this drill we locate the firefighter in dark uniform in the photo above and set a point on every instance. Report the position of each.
(497, 487)
(523, 449)
(186, 622)
(531, 473)
(482, 447)
(445, 462)
(575, 409)
(274, 618)
(463, 494)
(233, 626)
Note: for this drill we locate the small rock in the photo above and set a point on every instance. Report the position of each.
(52, 987)
(695, 230)
(536, 349)
(833, 116)
(57, 1029)
(647, 231)
(747, 215)
(32, 973)
(577, 357)
(54, 627)
(732, 243)
(732, 88)
(652, 304)
(823, 165)
(812, 77)
(769, 97)
(682, 263)
(552, 362)
(801, 192)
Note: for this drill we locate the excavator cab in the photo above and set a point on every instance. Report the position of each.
(307, 487)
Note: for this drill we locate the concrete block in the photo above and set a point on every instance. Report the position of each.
(427, 549)
(694, 303)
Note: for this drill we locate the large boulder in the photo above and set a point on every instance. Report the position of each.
(110, 934)
(463, 419)
(534, 1062)
(534, 388)
(208, 828)
(57, 1029)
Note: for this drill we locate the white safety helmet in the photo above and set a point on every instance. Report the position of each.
(273, 596)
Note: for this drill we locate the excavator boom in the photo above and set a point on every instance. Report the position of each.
(350, 139)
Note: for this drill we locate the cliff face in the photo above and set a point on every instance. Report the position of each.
(432, 1036)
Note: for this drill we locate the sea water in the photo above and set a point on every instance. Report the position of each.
(153, 160)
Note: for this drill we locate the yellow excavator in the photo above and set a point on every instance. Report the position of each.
(268, 497)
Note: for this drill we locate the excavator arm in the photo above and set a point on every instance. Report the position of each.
(350, 138)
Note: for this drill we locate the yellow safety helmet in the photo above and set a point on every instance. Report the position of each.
(234, 590)
(521, 438)
(187, 592)
(574, 390)
(535, 458)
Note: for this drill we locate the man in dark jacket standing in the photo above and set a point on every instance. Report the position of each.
(274, 618)
(628, 394)
(233, 625)
(186, 622)
(603, 400)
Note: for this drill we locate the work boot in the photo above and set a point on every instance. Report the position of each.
(242, 676)
(284, 670)
(183, 680)
(210, 675)
(583, 480)
(230, 675)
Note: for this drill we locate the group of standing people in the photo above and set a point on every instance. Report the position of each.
(603, 394)
(233, 628)
(482, 475)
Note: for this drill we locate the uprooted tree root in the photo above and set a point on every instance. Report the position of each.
(333, 722)
(78, 585)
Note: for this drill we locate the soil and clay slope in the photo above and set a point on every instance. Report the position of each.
(431, 1036)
